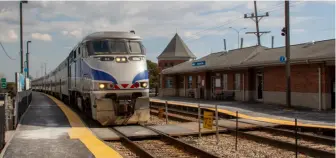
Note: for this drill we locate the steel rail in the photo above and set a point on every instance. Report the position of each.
(139, 151)
(189, 148)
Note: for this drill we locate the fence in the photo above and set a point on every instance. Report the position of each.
(2, 120)
(22, 101)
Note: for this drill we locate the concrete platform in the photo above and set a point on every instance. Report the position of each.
(183, 129)
(135, 131)
(43, 132)
(105, 134)
(254, 122)
(51, 129)
(275, 114)
(231, 124)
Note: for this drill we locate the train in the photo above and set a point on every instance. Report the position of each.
(105, 76)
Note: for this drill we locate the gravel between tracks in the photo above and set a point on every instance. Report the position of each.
(161, 149)
(125, 152)
(292, 140)
(246, 148)
(155, 120)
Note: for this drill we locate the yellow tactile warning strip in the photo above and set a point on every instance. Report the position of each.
(232, 113)
(79, 131)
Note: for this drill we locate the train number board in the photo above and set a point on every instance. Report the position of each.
(198, 63)
(208, 119)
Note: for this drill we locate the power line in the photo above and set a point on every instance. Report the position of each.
(256, 18)
(219, 26)
(6, 52)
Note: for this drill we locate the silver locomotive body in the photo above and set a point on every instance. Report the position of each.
(106, 76)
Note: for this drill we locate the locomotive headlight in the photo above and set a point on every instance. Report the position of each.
(118, 59)
(144, 84)
(123, 59)
(101, 86)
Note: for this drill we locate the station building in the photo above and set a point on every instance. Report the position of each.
(252, 74)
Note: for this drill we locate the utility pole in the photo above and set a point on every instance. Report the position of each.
(45, 68)
(256, 18)
(41, 69)
(288, 92)
(21, 38)
(27, 58)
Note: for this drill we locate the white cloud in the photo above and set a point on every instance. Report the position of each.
(8, 36)
(42, 37)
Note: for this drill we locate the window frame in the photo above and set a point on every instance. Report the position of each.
(190, 82)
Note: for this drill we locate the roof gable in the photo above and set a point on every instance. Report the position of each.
(176, 48)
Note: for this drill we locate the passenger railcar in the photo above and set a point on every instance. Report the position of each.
(105, 76)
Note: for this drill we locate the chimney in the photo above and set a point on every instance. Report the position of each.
(224, 44)
(272, 41)
(241, 42)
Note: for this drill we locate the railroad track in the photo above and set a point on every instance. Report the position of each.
(164, 146)
(266, 135)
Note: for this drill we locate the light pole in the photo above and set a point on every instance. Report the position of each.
(27, 58)
(238, 32)
(21, 38)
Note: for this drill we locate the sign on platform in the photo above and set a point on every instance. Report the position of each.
(161, 111)
(208, 119)
(282, 59)
(198, 63)
(3, 83)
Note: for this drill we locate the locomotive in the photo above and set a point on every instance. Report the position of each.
(105, 76)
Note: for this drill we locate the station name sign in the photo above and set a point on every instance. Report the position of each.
(198, 63)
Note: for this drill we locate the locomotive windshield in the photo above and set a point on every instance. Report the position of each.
(114, 47)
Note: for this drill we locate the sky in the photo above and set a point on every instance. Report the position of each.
(54, 27)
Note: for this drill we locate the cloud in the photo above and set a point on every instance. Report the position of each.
(8, 36)
(42, 37)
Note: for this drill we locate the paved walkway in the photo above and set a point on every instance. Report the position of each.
(43, 132)
(308, 116)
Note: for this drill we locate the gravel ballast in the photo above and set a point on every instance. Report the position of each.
(292, 140)
(122, 150)
(163, 150)
(246, 148)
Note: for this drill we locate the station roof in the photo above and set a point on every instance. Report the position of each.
(176, 49)
(258, 56)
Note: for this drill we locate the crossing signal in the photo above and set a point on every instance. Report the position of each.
(283, 31)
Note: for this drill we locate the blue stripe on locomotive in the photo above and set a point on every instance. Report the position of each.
(96, 74)
(141, 76)
(104, 76)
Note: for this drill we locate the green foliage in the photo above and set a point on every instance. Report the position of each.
(153, 72)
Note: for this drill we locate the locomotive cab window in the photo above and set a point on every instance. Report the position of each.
(135, 47)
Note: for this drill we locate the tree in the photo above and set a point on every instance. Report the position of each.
(153, 73)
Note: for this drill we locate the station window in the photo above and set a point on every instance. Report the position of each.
(190, 82)
(237, 81)
(169, 82)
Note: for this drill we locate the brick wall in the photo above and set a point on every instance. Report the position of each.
(161, 63)
(304, 78)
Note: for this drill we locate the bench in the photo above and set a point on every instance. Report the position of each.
(191, 94)
(226, 95)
